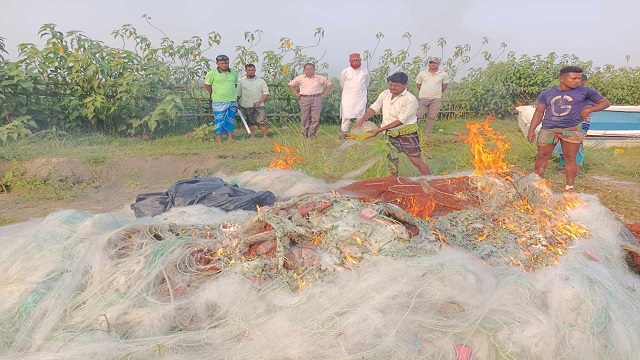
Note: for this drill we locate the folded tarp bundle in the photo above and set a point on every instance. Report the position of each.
(208, 191)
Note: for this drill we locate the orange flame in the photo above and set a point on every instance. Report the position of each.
(301, 283)
(287, 157)
(348, 257)
(569, 202)
(488, 147)
(416, 207)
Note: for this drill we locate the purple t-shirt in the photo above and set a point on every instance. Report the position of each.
(564, 106)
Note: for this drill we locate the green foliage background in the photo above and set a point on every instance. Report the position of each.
(74, 83)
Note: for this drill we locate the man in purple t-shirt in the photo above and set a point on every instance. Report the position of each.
(561, 110)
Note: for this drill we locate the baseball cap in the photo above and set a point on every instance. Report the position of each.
(222, 58)
(435, 60)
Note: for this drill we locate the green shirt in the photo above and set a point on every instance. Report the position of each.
(223, 85)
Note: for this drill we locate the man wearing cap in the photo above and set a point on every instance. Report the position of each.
(221, 84)
(399, 123)
(312, 89)
(431, 83)
(354, 81)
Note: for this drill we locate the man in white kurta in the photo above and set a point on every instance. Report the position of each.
(354, 81)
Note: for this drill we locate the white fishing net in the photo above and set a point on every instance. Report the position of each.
(108, 286)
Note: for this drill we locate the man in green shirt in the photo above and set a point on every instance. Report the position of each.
(221, 83)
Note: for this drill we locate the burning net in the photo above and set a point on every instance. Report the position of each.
(382, 268)
(309, 278)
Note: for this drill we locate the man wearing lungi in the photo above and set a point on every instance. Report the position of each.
(221, 83)
(399, 122)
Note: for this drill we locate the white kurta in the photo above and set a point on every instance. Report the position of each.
(354, 84)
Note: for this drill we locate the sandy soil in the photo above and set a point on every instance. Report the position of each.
(114, 186)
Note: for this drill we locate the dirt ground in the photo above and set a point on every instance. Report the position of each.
(112, 187)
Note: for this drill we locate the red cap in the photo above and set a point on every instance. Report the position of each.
(354, 56)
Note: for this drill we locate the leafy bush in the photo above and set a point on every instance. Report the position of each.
(77, 83)
(500, 86)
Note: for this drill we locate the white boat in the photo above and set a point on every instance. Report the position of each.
(615, 126)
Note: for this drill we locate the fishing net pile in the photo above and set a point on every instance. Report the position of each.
(501, 219)
(327, 275)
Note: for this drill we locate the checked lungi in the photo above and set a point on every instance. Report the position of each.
(404, 140)
(408, 144)
(224, 116)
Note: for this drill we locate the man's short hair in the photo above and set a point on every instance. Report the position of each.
(249, 66)
(399, 78)
(312, 65)
(570, 69)
(222, 58)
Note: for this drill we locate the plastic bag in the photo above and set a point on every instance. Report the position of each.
(361, 132)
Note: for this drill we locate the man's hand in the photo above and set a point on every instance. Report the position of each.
(584, 114)
(375, 132)
(531, 136)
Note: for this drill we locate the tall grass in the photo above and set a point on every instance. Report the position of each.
(328, 157)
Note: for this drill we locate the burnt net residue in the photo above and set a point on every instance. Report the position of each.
(326, 275)
(423, 198)
(518, 222)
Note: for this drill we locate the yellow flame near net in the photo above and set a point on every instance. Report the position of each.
(488, 147)
(415, 208)
(287, 157)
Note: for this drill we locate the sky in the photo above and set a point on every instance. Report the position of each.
(603, 32)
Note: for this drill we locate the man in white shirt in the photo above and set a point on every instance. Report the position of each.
(399, 122)
(354, 81)
(431, 83)
(252, 92)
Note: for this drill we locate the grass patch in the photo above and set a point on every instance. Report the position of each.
(445, 151)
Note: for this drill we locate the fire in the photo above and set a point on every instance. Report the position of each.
(488, 147)
(416, 207)
(287, 157)
(569, 202)
(571, 230)
(348, 257)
